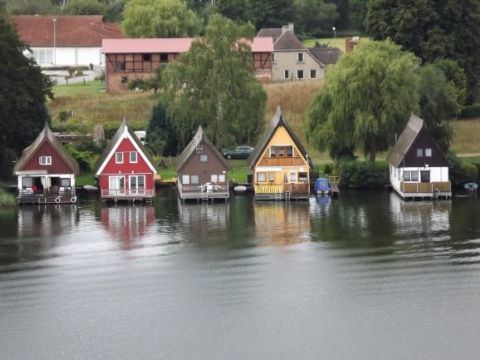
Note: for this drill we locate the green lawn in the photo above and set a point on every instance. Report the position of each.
(90, 88)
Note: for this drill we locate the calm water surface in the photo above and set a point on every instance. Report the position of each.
(364, 277)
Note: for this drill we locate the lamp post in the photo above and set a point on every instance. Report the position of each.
(334, 29)
(54, 20)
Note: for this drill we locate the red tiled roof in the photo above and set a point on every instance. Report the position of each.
(38, 31)
(168, 45)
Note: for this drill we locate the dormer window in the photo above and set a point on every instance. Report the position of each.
(45, 160)
(119, 158)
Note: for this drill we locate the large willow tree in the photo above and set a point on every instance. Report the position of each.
(213, 85)
(367, 99)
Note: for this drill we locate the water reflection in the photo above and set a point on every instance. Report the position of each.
(127, 224)
(282, 223)
(46, 221)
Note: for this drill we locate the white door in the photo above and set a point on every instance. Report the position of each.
(136, 184)
(116, 184)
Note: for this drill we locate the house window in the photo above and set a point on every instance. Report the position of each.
(419, 152)
(195, 179)
(118, 158)
(300, 58)
(133, 157)
(43, 56)
(199, 149)
(221, 178)
(27, 182)
(293, 177)
(313, 74)
(410, 176)
(119, 66)
(300, 74)
(281, 151)
(286, 74)
(45, 160)
(185, 179)
(214, 178)
(261, 177)
(428, 152)
(147, 57)
(163, 58)
(271, 176)
(302, 177)
(203, 157)
(65, 182)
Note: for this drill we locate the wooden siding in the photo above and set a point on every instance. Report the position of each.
(59, 166)
(424, 140)
(281, 161)
(424, 188)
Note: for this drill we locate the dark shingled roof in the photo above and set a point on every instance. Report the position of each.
(270, 32)
(46, 135)
(405, 141)
(277, 121)
(114, 141)
(191, 148)
(326, 55)
(288, 41)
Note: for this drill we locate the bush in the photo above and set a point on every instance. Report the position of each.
(462, 172)
(6, 199)
(471, 111)
(363, 174)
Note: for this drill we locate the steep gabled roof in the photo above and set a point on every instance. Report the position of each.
(77, 30)
(288, 41)
(277, 121)
(326, 55)
(405, 141)
(123, 132)
(46, 135)
(270, 32)
(192, 146)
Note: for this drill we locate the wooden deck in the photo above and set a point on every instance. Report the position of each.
(127, 196)
(203, 192)
(45, 199)
(433, 190)
(282, 192)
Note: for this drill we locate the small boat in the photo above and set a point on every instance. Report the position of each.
(322, 186)
(240, 188)
(471, 186)
(90, 188)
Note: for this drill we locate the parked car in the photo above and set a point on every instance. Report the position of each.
(240, 152)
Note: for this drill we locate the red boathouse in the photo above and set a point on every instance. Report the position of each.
(46, 172)
(125, 171)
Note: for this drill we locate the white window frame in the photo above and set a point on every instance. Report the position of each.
(194, 179)
(428, 152)
(114, 184)
(45, 160)
(313, 71)
(419, 152)
(222, 178)
(286, 74)
(203, 158)
(186, 179)
(117, 161)
(261, 177)
(298, 74)
(136, 157)
(136, 189)
(407, 176)
(214, 178)
(300, 58)
(292, 177)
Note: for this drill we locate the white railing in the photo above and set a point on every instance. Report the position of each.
(127, 193)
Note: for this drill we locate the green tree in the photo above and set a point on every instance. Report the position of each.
(358, 14)
(161, 18)
(343, 8)
(314, 17)
(237, 10)
(161, 134)
(432, 30)
(367, 99)
(85, 7)
(22, 96)
(271, 13)
(438, 103)
(213, 85)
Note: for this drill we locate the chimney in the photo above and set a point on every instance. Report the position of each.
(350, 43)
(288, 27)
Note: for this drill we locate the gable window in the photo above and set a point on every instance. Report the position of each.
(45, 160)
(119, 158)
(281, 151)
(428, 152)
(133, 157)
(286, 74)
(185, 179)
(419, 152)
(261, 177)
(221, 178)
(300, 57)
(203, 157)
(300, 74)
(313, 74)
(214, 178)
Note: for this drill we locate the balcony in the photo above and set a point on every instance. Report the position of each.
(282, 188)
(282, 161)
(205, 191)
(425, 188)
(127, 194)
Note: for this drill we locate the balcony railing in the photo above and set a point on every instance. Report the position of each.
(425, 188)
(205, 188)
(127, 193)
(282, 188)
(282, 161)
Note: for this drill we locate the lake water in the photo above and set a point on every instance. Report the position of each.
(366, 276)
